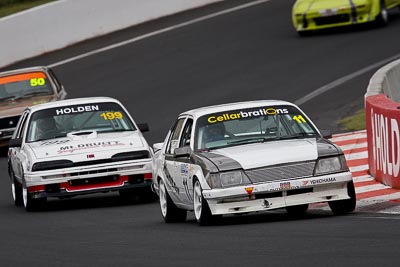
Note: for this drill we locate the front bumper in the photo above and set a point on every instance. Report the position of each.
(317, 20)
(274, 195)
(93, 179)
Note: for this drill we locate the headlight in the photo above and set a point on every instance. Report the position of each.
(52, 165)
(331, 165)
(134, 155)
(227, 179)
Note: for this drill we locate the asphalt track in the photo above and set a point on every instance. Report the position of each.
(252, 53)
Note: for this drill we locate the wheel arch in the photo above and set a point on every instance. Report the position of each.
(375, 8)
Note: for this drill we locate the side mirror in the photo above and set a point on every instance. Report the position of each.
(157, 147)
(17, 142)
(326, 134)
(181, 152)
(143, 127)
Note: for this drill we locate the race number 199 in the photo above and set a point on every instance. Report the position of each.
(111, 115)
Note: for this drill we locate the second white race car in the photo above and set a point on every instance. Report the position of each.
(248, 157)
(75, 147)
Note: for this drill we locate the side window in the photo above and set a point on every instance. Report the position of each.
(186, 133)
(56, 81)
(21, 125)
(173, 141)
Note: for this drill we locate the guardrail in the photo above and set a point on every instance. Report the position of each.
(59, 24)
(382, 109)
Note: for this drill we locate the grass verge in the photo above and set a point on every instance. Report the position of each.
(355, 122)
(8, 7)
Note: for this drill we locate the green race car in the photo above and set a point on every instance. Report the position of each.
(310, 15)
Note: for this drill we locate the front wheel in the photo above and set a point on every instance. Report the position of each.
(202, 211)
(382, 19)
(16, 190)
(30, 203)
(342, 207)
(169, 211)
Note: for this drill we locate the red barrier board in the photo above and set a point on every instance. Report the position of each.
(383, 134)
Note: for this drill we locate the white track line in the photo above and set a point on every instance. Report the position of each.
(358, 155)
(343, 80)
(363, 178)
(373, 187)
(359, 168)
(348, 133)
(349, 137)
(151, 34)
(354, 146)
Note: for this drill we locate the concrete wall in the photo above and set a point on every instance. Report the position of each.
(382, 106)
(386, 81)
(65, 22)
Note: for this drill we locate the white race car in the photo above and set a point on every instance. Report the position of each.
(75, 147)
(248, 157)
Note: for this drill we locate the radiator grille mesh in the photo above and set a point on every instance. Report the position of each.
(281, 172)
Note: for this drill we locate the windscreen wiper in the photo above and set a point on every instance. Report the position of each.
(297, 135)
(35, 93)
(11, 97)
(250, 140)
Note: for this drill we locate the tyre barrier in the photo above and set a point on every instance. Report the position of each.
(382, 110)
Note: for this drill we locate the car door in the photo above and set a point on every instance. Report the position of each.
(16, 154)
(184, 165)
(170, 166)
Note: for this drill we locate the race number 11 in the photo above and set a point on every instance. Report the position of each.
(299, 119)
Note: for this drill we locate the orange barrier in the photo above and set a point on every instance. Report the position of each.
(383, 134)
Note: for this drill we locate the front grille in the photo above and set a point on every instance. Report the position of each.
(341, 18)
(9, 122)
(281, 172)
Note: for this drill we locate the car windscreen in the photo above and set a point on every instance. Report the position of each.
(58, 122)
(24, 85)
(261, 124)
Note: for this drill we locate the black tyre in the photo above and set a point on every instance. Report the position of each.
(169, 211)
(342, 207)
(304, 33)
(16, 190)
(382, 19)
(31, 204)
(297, 211)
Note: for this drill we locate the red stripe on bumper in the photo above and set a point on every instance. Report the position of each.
(36, 188)
(71, 188)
